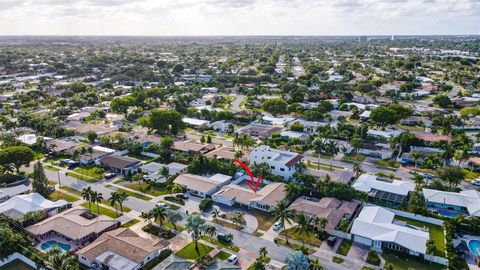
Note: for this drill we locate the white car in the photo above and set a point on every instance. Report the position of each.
(232, 259)
(163, 205)
(277, 225)
(476, 182)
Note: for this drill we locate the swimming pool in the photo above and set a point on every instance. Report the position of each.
(474, 246)
(50, 244)
(448, 213)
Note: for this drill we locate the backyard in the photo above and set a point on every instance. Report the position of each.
(409, 264)
(436, 233)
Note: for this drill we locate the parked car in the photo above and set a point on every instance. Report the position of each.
(476, 182)
(277, 225)
(232, 259)
(225, 238)
(182, 196)
(110, 175)
(163, 205)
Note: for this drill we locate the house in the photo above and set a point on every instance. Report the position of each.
(202, 186)
(281, 162)
(76, 224)
(147, 140)
(31, 139)
(310, 127)
(417, 121)
(153, 170)
(376, 227)
(17, 206)
(294, 135)
(221, 125)
(430, 139)
(173, 262)
(98, 152)
(452, 204)
(332, 209)
(121, 249)
(423, 152)
(58, 146)
(191, 147)
(9, 192)
(259, 130)
(393, 192)
(196, 123)
(378, 150)
(276, 121)
(227, 153)
(120, 164)
(341, 176)
(265, 199)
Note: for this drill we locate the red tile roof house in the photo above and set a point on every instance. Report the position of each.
(433, 138)
(121, 164)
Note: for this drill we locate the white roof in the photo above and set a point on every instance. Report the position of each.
(220, 178)
(366, 114)
(103, 149)
(30, 202)
(469, 199)
(30, 139)
(15, 190)
(116, 261)
(367, 182)
(376, 223)
(195, 122)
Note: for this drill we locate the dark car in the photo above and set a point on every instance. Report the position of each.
(182, 196)
(225, 238)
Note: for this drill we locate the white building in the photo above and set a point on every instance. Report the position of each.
(17, 206)
(281, 162)
(378, 190)
(375, 227)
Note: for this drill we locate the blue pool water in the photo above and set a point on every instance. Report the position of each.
(448, 213)
(474, 246)
(50, 244)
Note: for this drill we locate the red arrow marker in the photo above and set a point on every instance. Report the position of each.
(254, 185)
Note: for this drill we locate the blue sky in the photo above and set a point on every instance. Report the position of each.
(239, 17)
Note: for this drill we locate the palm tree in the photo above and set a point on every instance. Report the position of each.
(60, 261)
(415, 155)
(138, 177)
(315, 265)
(357, 144)
(332, 149)
(113, 200)
(263, 252)
(292, 190)
(211, 231)
(237, 221)
(174, 217)
(87, 195)
(196, 226)
(418, 179)
(319, 223)
(96, 197)
(304, 226)
(174, 188)
(159, 214)
(318, 145)
(122, 196)
(148, 217)
(448, 154)
(282, 213)
(297, 260)
(258, 265)
(165, 172)
(216, 213)
(357, 168)
(431, 248)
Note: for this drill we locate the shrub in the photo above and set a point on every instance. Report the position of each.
(373, 258)
(205, 204)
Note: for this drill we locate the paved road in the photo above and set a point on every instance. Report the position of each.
(236, 103)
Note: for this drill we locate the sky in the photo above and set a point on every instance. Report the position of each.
(239, 17)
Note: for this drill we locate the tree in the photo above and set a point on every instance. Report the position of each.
(297, 260)
(431, 248)
(174, 188)
(418, 179)
(113, 200)
(304, 226)
(159, 214)
(442, 101)
(87, 195)
(120, 105)
(315, 265)
(91, 136)
(263, 252)
(10, 241)
(275, 106)
(332, 150)
(415, 155)
(178, 68)
(196, 226)
(215, 213)
(16, 156)
(60, 261)
(40, 181)
(357, 144)
(122, 196)
(258, 265)
(282, 213)
(164, 122)
(96, 198)
(452, 176)
(318, 145)
(174, 217)
(292, 190)
(383, 116)
(357, 169)
(139, 178)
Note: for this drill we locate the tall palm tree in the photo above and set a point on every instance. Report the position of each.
(174, 188)
(332, 149)
(282, 213)
(96, 198)
(122, 196)
(138, 177)
(216, 213)
(431, 248)
(113, 200)
(148, 217)
(357, 168)
(87, 195)
(196, 226)
(174, 217)
(165, 172)
(304, 226)
(159, 214)
(258, 265)
(263, 252)
(318, 145)
(60, 261)
(211, 231)
(415, 155)
(292, 190)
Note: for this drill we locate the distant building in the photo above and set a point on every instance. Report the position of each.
(392, 193)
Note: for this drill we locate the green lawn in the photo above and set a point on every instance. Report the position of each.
(148, 189)
(469, 175)
(170, 226)
(353, 158)
(310, 239)
(292, 245)
(51, 168)
(81, 177)
(71, 190)
(190, 253)
(222, 255)
(337, 260)
(103, 211)
(227, 224)
(409, 264)
(92, 171)
(388, 163)
(134, 194)
(58, 195)
(220, 244)
(130, 223)
(119, 180)
(265, 221)
(344, 247)
(436, 233)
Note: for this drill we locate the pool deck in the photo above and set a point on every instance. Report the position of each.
(73, 246)
(470, 257)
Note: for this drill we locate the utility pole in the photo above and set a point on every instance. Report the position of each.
(59, 183)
